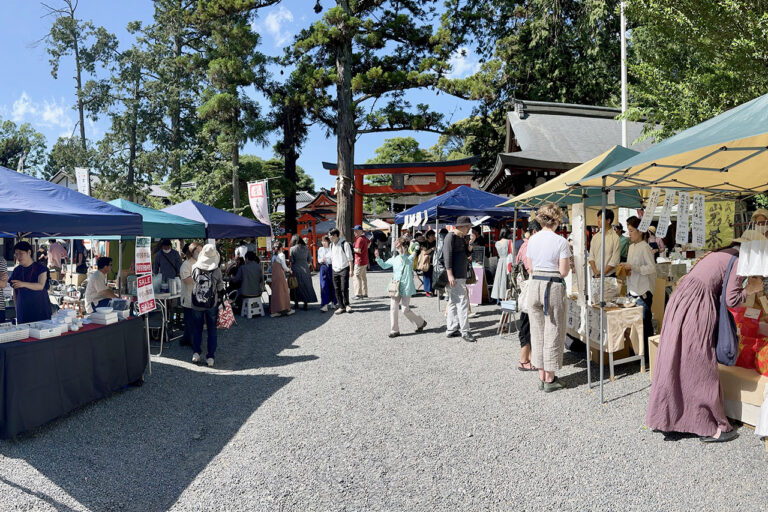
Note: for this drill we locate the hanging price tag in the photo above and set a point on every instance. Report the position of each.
(683, 220)
(649, 210)
(666, 213)
(699, 223)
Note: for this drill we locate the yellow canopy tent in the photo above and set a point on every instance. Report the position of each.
(559, 192)
(725, 156)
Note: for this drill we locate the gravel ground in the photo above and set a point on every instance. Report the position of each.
(315, 412)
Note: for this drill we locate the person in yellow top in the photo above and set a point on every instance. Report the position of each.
(612, 246)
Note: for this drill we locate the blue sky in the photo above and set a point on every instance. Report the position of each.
(28, 92)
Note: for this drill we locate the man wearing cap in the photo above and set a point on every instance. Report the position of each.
(456, 259)
(167, 261)
(361, 262)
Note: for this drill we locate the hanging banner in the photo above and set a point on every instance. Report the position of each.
(83, 180)
(719, 215)
(699, 223)
(143, 255)
(683, 219)
(650, 208)
(145, 294)
(666, 213)
(258, 197)
(578, 241)
(425, 219)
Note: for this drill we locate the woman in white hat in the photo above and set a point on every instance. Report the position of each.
(759, 228)
(207, 290)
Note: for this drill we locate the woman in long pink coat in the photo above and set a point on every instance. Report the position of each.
(280, 302)
(685, 392)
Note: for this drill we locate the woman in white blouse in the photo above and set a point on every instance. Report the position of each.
(327, 292)
(641, 270)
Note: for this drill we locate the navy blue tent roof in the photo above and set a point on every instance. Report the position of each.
(462, 200)
(35, 207)
(218, 223)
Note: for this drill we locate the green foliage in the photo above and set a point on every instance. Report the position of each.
(691, 60)
(68, 153)
(541, 50)
(16, 141)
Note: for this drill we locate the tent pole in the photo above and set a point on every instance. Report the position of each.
(585, 291)
(602, 289)
(514, 234)
(119, 266)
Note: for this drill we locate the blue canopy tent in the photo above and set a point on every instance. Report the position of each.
(160, 224)
(38, 208)
(218, 223)
(463, 200)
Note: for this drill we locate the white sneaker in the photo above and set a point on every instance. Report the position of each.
(195, 357)
(349, 309)
(210, 362)
(289, 313)
(275, 315)
(324, 309)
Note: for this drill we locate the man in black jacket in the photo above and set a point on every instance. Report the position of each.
(456, 258)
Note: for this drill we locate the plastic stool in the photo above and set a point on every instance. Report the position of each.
(252, 306)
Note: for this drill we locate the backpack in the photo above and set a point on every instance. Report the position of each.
(203, 291)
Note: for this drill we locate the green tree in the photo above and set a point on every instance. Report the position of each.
(68, 153)
(690, 61)
(371, 52)
(22, 141)
(230, 116)
(87, 44)
(541, 50)
(175, 43)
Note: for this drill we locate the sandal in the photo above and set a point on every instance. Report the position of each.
(523, 368)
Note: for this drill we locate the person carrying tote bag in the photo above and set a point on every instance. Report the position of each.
(401, 290)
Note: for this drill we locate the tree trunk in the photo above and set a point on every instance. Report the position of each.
(236, 163)
(80, 106)
(132, 144)
(291, 222)
(175, 178)
(345, 146)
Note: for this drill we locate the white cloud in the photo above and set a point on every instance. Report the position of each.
(47, 114)
(462, 64)
(275, 24)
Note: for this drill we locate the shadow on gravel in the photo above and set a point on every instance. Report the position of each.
(138, 451)
(57, 505)
(259, 342)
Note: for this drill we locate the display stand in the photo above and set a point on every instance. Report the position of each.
(617, 322)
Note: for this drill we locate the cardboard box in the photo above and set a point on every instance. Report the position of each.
(743, 388)
(76, 279)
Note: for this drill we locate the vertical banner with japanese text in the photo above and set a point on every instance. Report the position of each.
(650, 210)
(258, 196)
(699, 222)
(683, 219)
(145, 292)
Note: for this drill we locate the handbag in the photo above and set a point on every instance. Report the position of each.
(394, 286)
(293, 282)
(522, 297)
(226, 316)
(471, 276)
(425, 261)
(727, 348)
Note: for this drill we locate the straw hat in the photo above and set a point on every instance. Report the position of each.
(652, 230)
(208, 259)
(760, 211)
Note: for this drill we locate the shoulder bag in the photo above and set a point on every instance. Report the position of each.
(727, 349)
(425, 261)
(471, 276)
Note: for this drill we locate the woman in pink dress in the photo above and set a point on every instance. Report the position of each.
(685, 393)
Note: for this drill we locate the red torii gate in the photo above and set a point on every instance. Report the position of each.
(441, 184)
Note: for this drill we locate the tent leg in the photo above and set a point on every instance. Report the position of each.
(586, 298)
(514, 235)
(149, 353)
(119, 267)
(602, 290)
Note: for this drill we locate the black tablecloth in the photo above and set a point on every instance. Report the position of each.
(44, 379)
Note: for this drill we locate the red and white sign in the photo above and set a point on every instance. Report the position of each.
(143, 260)
(145, 294)
(258, 196)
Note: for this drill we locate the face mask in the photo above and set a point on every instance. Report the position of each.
(166, 251)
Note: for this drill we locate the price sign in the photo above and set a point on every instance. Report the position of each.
(145, 294)
(143, 255)
(699, 222)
